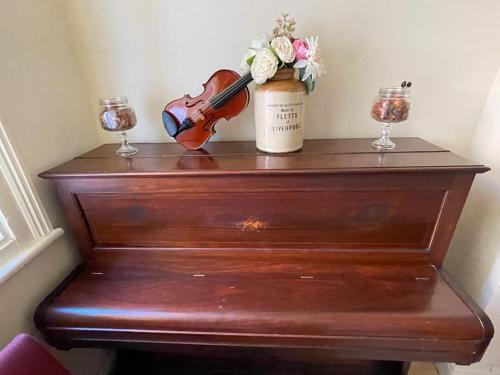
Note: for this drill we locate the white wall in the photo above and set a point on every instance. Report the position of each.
(46, 113)
(157, 50)
(474, 255)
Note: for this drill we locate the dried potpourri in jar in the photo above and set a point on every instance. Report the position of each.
(116, 114)
(391, 105)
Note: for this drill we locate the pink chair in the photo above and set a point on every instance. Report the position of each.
(25, 356)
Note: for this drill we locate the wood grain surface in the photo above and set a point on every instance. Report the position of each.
(336, 248)
(319, 156)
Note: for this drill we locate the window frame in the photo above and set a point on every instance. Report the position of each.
(6, 233)
(37, 231)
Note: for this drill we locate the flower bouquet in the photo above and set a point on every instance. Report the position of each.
(267, 54)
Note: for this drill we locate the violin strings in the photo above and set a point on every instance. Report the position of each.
(229, 92)
(234, 85)
(223, 97)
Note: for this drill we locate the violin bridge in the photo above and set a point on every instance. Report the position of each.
(201, 115)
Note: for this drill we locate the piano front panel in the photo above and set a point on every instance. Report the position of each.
(385, 212)
(328, 219)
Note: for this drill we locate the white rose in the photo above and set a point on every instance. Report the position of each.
(283, 48)
(264, 65)
(260, 42)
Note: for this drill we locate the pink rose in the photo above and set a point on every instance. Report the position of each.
(301, 48)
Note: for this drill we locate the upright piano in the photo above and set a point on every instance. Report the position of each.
(327, 259)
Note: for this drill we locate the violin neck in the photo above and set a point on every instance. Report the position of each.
(218, 100)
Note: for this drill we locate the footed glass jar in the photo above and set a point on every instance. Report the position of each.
(392, 105)
(117, 116)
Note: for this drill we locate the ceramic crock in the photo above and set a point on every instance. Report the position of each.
(279, 106)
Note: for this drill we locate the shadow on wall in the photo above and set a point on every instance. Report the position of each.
(474, 257)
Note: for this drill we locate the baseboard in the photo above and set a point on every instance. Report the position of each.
(109, 365)
(452, 369)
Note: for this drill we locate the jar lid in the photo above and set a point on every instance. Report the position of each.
(115, 101)
(394, 91)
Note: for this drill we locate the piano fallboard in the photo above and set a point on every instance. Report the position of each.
(148, 298)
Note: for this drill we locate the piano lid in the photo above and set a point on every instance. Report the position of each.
(352, 155)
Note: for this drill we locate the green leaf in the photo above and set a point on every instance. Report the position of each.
(280, 63)
(250, 60)
(309, 84)
(302, 71)
(274, 52)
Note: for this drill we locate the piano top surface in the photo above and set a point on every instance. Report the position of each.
(317, 156)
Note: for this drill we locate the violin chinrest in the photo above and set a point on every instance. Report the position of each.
(170, 123)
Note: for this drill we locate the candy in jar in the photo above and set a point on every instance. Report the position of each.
(392, 105)
(116, 115)
(387, 109)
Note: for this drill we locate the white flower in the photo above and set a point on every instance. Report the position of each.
(244, 61)
(283, 48)
(260, 42)
(264, 65)
(256, 45)
(314, 63)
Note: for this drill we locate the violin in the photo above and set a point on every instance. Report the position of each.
(191, 121)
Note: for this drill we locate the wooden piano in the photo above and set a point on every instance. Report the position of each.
(328, 258)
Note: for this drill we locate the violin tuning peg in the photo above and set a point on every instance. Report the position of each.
(403, 84)
(408, 84)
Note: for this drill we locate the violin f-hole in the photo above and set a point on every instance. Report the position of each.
(208, 125)
(192, 104)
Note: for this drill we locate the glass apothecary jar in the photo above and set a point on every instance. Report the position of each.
(116, 115)
(392, 105)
